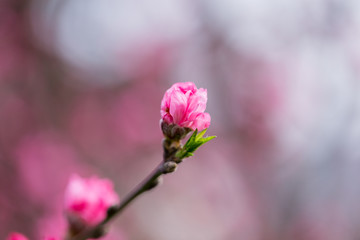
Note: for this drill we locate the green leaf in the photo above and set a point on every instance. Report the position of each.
(193, 143)
(201, 134)
(192, 139)
(205, 140)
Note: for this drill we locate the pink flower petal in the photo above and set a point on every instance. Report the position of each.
(202, 121)
(178, 106)
(183, 104)
(89, 199)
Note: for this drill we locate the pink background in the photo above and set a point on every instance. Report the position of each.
(80, 90)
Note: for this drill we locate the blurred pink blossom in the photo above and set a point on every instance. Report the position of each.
(16, 236)
(183, 104)
(87, 200)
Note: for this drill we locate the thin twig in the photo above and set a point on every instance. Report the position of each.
(168, 165)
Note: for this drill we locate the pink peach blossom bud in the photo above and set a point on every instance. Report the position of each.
(87, 200)
(184, 105)
(16, 236)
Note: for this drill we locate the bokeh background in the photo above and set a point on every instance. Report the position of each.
(80, 90)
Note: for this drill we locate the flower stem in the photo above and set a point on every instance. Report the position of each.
(148, 183)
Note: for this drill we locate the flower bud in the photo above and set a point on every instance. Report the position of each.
(169, 167)
(184, 105)
(87, 201)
